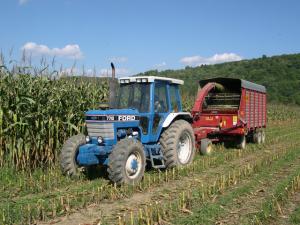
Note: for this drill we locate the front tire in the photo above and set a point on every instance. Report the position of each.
(69, 153)
(127, 162)
(178, 144)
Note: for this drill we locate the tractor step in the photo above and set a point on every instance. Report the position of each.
(156, 157)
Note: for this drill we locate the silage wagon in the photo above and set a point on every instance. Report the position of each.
(229, 110)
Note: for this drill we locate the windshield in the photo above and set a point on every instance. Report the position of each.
(134, 96)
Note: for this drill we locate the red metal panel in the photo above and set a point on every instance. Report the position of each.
(265, 110)
(256, 109)
(252, 114)
(242, 108)
(259, 110)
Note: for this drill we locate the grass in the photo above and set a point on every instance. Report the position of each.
(295, 217)
(176, 210)
(207, 212)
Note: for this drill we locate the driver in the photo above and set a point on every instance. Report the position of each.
(158, 105)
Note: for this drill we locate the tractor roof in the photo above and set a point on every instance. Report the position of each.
(148, 79)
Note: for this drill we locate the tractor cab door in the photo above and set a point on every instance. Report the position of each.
(160, 108)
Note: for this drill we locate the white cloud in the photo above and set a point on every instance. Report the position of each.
(118, 59)
(22, 2)
(69, 51)
(217, 58)
(160, 66)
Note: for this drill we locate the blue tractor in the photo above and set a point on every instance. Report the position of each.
(145, 126)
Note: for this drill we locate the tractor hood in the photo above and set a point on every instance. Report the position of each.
(113, 115)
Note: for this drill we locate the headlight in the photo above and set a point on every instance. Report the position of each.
(87, 139)
(135, 133)
(100, 140)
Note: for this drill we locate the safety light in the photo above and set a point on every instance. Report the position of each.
(87, 139)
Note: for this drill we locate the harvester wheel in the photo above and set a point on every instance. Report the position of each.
(127, 162)
(263, 136)
(69, 153)
(178, 144)
(259, 137)
(206, 147)
(241, 142)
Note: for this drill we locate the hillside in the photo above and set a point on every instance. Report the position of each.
(280, 75)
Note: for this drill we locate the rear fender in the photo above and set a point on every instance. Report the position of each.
(175, 116)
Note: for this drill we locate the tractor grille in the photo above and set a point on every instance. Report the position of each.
(105, 130)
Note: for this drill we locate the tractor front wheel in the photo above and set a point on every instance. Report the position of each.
(69, 153)
(127, 162)
(178, 144)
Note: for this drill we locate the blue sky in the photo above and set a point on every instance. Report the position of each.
(140, 35)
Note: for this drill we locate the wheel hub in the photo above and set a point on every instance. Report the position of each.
(184, 148)
(133, 165)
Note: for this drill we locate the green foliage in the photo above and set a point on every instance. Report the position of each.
(280, 75)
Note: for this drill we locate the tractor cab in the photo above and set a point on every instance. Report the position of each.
(142, 111)
(141, 107)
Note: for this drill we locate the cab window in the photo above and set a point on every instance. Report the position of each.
(160, 98)
(173, 98)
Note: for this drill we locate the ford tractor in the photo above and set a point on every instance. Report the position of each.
(145, 126)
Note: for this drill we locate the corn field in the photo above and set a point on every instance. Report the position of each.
(37, 113)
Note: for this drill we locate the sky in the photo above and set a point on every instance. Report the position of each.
(141, 35)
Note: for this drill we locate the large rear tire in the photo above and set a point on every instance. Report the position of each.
(127, 162)
(69, 153)
(178, 144)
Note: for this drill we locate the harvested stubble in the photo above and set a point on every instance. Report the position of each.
(67, 200)
(158, 213)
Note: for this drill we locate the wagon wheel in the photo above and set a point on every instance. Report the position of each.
(241, 142)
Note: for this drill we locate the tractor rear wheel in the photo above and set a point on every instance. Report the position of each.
(178, 144)
(206, 147)
(127, 162)
(69, 153)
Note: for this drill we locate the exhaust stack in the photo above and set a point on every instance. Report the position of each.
(112, 86)
(113, 71)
